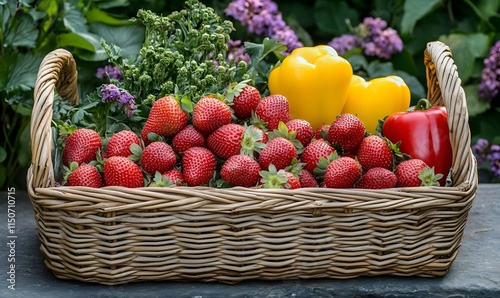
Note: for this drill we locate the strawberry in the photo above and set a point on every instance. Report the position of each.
(166, 118)
(226, 140)
(186, 138)
(119, 143)
(271, 110)
(158, 156)
(273, 178)
(342, 172)
(82, 175)
(313, 152)
(254, 139)
(320, 131)
(307, 179)
(240, 170)
(377, 178)
(210, 113)
(346, 132)
(175, 176)
(121, 171)
(303, 130)
(245, 102)
(171, 177)
(415, 172)
(81, 146)
(198, 164)
(279, 151)
(375, 152)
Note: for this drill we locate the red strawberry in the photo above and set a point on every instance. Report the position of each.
(313, 152)
(272, 178)
(81, 146)
(158, 156)
(171, 177)
(377, 178)
(279, 151)
(119, 143)
(166, 118)
(303, 129)
(83, 175)
(375, 152)
(186, 138)
(342, 172)
(293, 181)
(346, 131)
(198, 164)
(175, 176)
(121, 171)
(245, 102)
(272, 109)
(226, 140)
(323, 129)
(210, 113)
(240, 170)
(415, 172)
(307, 179)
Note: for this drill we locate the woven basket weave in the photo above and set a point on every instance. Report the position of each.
(115, 235)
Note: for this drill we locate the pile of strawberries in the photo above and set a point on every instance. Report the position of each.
(249, 142)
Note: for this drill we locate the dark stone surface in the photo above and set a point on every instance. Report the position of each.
(475, 272)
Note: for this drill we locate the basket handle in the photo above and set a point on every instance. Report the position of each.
(57, 71)
(444, 88)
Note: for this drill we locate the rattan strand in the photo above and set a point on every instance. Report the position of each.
(116, 235)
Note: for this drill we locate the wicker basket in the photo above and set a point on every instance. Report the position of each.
(115, 235)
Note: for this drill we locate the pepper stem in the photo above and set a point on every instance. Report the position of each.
(423, 104)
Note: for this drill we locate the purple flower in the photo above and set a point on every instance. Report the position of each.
(489, 86)
(112, 93)
(374, 38)
(494, 159)
(236, 51)
(261, 17)
(109, 72)
(481, 149)
(345, 43)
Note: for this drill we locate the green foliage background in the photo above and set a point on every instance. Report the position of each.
(30, 29)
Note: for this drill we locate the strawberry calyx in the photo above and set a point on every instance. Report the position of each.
(273, 178)
(136, 152)
(160, 181)
(256, 121)
(323, 163)
(250, 141)
(428, 177)
(283, 132)
(295, 167)
(234, 89)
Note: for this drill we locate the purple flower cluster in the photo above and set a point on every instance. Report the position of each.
(112, 93)
(236, 51)
(109, 72)
(486, 152)
(373, 36)
(262, 17)
(490, 78)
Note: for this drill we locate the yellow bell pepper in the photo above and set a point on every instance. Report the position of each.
(315, 81)
(375, 99)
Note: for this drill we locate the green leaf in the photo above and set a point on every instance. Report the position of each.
(128, 38)
(378, 69)
(414, 10)
(22, 32)
(18, 71)
(3, 154)
(74, 19)
(331, 16)
(95, 15)
(74, 40)
(465, 49)
(475, 106)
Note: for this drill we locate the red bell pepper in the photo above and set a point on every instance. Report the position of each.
(424, 134)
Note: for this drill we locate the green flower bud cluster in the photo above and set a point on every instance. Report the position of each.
(183, 53)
